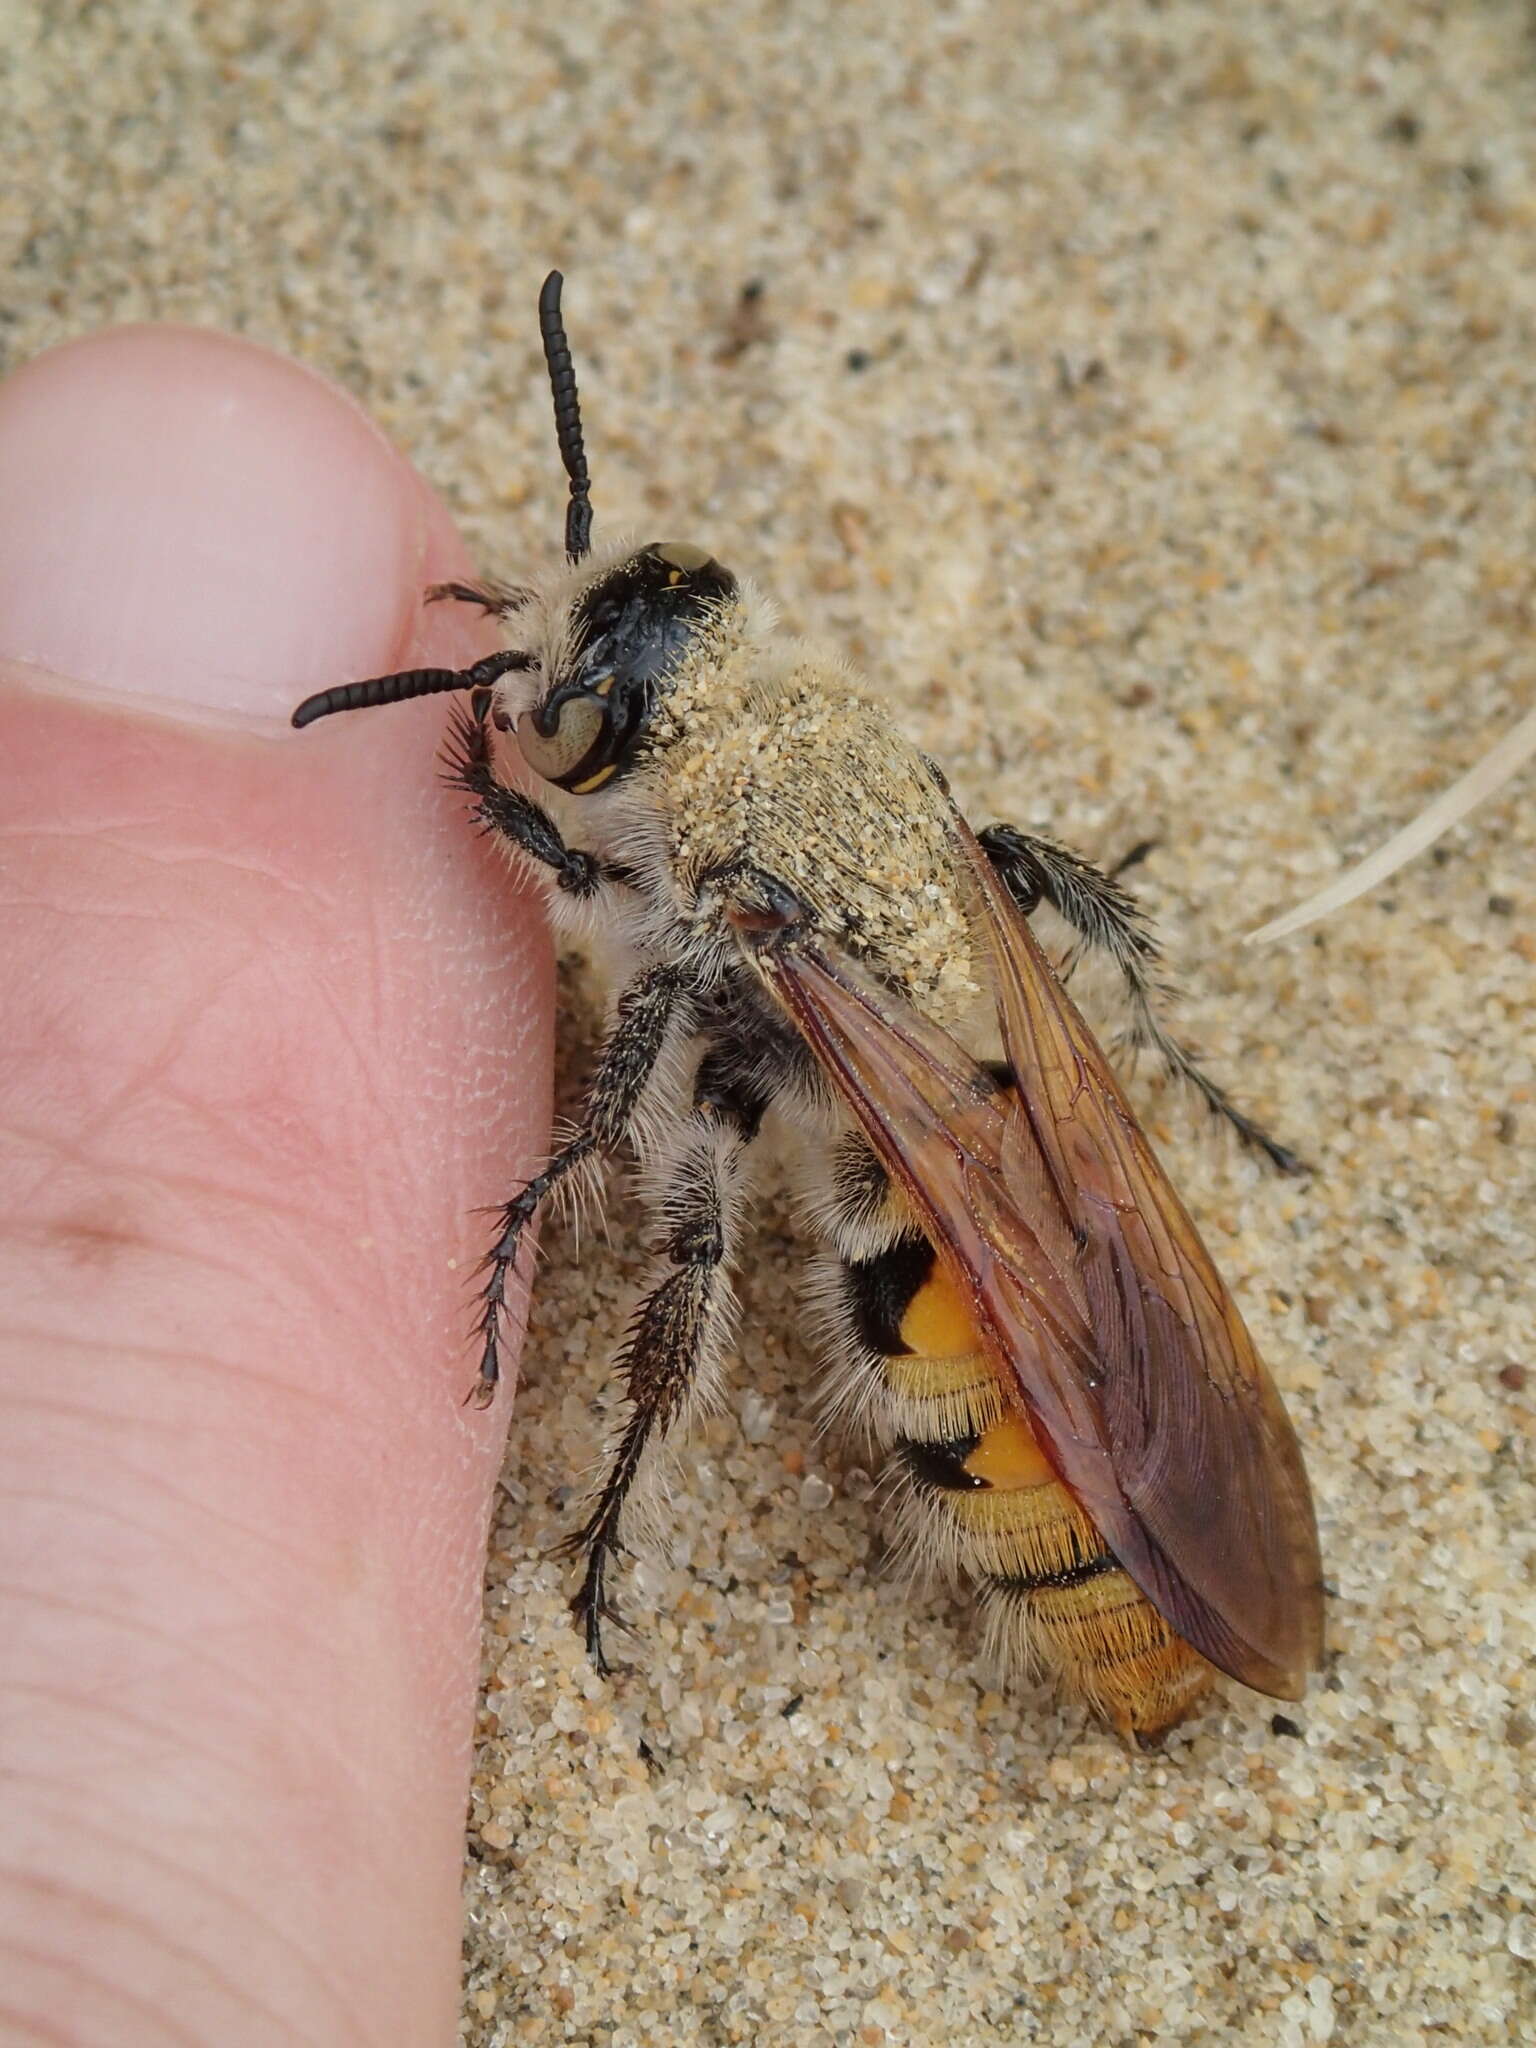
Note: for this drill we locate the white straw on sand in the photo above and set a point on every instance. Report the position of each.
(1497, 765)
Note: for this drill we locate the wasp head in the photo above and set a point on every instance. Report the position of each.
(628, 632)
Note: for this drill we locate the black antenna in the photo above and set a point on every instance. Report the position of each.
(411, 682)
(562, 382)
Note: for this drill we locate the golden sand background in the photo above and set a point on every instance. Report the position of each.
(1146, 396)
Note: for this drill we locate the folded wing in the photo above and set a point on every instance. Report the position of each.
(1090, 1286)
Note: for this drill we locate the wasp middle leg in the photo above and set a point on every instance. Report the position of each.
(652, 1008)
(1107, 917)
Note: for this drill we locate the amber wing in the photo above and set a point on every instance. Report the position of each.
(1090, 1286)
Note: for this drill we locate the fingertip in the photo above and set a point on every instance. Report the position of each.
(191, 520)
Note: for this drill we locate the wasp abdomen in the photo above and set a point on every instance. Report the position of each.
(977, 1496)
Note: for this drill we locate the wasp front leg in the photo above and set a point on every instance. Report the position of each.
(651, 1009)
(516, 819)
(673, 1346)
(1108, 918)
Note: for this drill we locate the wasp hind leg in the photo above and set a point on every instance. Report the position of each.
(1108, 918)
(670, 1355)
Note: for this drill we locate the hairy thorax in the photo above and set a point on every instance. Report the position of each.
(776, 762)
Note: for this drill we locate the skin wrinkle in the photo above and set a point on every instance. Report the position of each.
(59, 1235)
(217, 861)
(324, 1287)
(332, 1764)
(377, 1098)
(195, 1656)
(173, 1046)
(329, 1762)
(203, 1887)
(233, 1127)
(295, 1361)
(133, 1418)
(376, 1095)
(307, 888)
(35, 2031)
(129, 1092)
(372, 952)
(159, 1481)
(177, 1428)
(117, 1715)
(310, 1638)
(73, 1970)
(126, 914)
(170, 861)
(59, 1152)
(203, 1884)
(189, 916)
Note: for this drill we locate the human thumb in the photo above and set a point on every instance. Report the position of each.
(272, 1025)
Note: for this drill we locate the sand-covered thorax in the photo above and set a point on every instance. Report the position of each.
(774, 756)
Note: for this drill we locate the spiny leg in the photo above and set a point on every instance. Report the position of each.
(657, 1364)
(511, 816)
(1132, 858)
(1107, 917)
(496, 600)
(674, 1335)
(649, 1008)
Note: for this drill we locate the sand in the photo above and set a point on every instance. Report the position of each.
(1145, 396)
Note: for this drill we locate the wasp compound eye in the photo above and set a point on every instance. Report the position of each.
(684, 557)
(570, 739)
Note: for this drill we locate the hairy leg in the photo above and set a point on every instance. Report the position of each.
(1108, 918)
(650, 1007)
(676, 1332)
